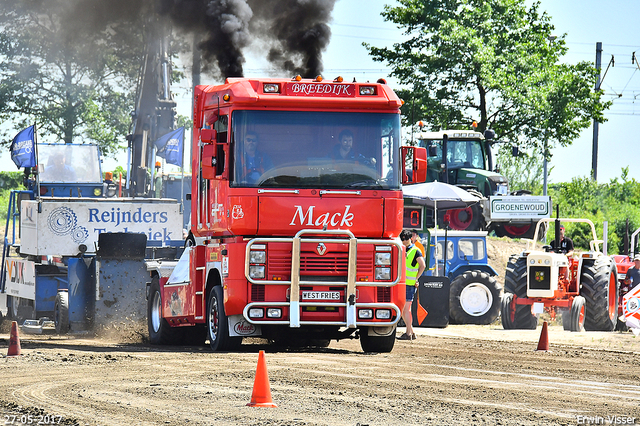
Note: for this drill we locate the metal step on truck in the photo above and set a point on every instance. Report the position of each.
(74, 253)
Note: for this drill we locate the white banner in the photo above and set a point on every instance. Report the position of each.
(60, 227)
(520, 207)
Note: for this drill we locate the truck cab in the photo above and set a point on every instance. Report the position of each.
(294, 216)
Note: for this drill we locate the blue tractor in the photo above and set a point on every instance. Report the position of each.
(474, 295)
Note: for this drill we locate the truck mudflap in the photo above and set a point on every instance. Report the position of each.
(350, 303)
(240, 327)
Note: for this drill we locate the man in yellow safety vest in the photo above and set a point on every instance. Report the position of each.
(415, 266)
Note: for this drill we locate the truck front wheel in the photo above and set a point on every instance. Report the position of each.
(377, 343)
(474, 298)
(218, 325)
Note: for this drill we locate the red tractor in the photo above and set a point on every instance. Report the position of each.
(583, 287)
(623, 263)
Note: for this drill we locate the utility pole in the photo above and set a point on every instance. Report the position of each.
(596, 125)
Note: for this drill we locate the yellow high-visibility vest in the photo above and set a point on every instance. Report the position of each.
(412, 272)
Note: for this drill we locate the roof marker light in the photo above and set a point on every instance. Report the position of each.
(271, 88)
(367, 90)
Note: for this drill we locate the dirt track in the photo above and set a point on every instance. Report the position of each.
(458, 375)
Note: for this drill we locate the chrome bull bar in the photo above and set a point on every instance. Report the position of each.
(351, 285)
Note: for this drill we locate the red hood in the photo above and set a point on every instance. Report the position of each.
(285, 216)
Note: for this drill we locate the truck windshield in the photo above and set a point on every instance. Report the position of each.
(460, 153)
(66, 163)
(301, 149)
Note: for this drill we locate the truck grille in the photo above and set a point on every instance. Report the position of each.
(540, 278)
(311, 264)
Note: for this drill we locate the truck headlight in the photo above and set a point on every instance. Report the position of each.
(256, 313)
(383, 274)
(383, 259)
(383, 314)
(365, 313)
(256, 271)
(274, 313)
(257, 256)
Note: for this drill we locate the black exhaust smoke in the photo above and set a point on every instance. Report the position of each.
(295, 31)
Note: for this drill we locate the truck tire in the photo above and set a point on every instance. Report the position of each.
(160, 332)
(379, 344)
(577, 314)
(467, 219)
(515, 283)
(61, 312)
(217, 323)
(599, 287)
(474, 298)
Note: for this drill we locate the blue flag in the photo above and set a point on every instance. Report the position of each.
(23, 148)
(170, 146)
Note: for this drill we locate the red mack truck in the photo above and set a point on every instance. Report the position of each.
(296, 207)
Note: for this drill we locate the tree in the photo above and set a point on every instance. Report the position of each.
(74, 76)
(491, 61)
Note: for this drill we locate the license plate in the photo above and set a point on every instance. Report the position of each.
(321, 295)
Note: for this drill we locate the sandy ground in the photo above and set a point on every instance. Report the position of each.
(457, 375)
(467, 375)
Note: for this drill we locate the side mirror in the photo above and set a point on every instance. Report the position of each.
(433, 150)
(489, 134)
(208, 163)
(208, 135)
(419, 172)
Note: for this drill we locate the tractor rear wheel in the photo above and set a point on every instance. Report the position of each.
(515, 283)
(474, 298)
(599, 281)
(467, 219)
(578, 314)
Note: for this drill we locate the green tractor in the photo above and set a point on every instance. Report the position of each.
(470, 165)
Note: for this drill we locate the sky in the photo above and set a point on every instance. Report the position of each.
(586, 22)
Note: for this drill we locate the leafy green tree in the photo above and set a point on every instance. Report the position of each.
(491, 61)
(73, 76)
(523, 171)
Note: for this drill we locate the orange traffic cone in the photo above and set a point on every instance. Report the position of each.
(543, 343)
(14, 341)
(261, 396)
